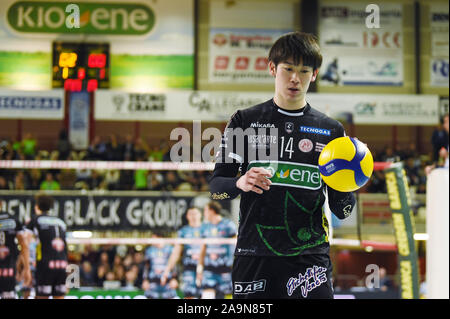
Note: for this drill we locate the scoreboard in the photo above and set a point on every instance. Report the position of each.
(80, 66)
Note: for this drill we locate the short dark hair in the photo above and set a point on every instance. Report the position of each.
(215, 206)
(300, 46)
(44, 202)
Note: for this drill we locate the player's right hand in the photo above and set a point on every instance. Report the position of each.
(256, 179)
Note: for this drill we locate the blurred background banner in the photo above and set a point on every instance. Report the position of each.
(184, 105)
(79, 109)
(240, 55)
(119, 211)
(354, 55)
(439, 65)
(31, 105)
(403, 222)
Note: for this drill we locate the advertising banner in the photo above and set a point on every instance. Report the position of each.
(404, 228)
(439, 62)
(357, 51)
(79, 120)
(33, 105)
(186, 106)
(98, 293)
(115, 211)
(240, 55)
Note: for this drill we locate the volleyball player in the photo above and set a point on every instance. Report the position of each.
(215, 261)
(190, 255)
(51, 250)
(10, 230)
(157, 257)
(282, 247)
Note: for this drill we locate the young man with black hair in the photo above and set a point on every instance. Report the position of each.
(282, 248)
(51, 251)
(10, 230)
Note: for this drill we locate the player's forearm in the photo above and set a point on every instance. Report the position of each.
(341, 204)
(223, 187)
(173, 259)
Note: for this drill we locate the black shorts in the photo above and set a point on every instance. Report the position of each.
(7, 281)
(51, 280)
(300, 277)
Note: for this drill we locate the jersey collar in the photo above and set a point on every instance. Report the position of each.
(300, 112)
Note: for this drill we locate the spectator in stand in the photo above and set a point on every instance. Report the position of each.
(140, 176)
(389, 155)
(113, 149)
(128, 148)
(63, 146)
(87, 274)
(141, 150)
(29, 146)
(443, 152)
(126, 179)
(96, 150)
(95, 181)
(112, 178)
(171, 181)
(36, 179)
(3, 183)
(156, 154)
(50, 183)
(20, 182)
(385, 283)
(155, 179)
(131, 276)
(439, 138)
(90, 255)
(67, 179)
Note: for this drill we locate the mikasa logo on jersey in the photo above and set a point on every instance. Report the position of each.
(262, 125)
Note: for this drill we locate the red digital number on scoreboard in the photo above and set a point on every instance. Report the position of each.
(97, 60)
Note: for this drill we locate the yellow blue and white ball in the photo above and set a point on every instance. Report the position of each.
(345, 164)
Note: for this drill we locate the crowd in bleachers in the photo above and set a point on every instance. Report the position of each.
(110, 149)
(90, 179)
(110, 264)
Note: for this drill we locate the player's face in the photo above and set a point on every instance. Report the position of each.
(193, 216)
(291, 83)
(207, 213)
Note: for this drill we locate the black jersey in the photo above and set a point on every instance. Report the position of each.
(51, 234)
(9, 228)
(289, 219)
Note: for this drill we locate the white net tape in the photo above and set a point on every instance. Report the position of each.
(174, 241)
(108, 165)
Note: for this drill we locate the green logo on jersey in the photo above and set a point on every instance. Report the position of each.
(300, 237)
(291, 174)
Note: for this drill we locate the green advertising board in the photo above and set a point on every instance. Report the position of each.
(97, 293)
(404, 228)
(94, 17)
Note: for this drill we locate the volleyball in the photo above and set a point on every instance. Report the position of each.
(345, 164)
